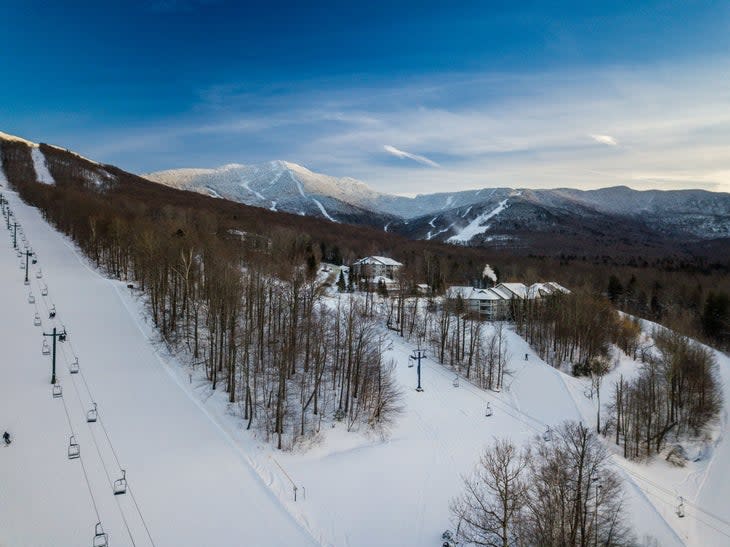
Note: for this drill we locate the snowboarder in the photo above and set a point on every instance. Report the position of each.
(6, 438)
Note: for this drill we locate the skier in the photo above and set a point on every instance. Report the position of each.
(6, 438)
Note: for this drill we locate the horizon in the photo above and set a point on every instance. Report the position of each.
(415, 98)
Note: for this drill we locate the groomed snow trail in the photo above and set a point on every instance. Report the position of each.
(195, 480)
(191, 485)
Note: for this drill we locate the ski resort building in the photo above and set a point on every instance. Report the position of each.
(376, 266)
(496, 303)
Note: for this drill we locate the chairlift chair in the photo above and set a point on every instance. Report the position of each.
(44, 290)
(19, 253)
(52, 312)
(73, 368)
(63, 335)
(26, 282)
(34, 260)
(46, 348)
(100, 537)
(31, 298)
(74, 450)
(57, 391)
(456, 381)
(22, 264)
(37, 320)
(488, 412)
(91, 415)
(39, 274)
(120, 485)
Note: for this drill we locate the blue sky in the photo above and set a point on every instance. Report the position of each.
(407, 96)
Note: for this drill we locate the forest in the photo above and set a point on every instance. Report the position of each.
(236, 288)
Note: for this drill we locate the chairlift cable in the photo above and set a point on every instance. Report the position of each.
(111, 446)
(440, 369)
(103, 464)
(83, 467)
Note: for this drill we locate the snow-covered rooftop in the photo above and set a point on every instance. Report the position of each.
(384, 260)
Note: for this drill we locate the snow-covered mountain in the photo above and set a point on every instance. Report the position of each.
(279, 186)
(565, 221)
(474, 217)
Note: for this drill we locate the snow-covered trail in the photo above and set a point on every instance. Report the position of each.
(401, 487)
(189, 481)
(715, 487)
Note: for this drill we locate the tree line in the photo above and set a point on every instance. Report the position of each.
(250, 316)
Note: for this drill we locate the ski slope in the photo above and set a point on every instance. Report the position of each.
(198, 478)
(190, 482)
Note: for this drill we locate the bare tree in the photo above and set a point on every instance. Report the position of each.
(487, 511)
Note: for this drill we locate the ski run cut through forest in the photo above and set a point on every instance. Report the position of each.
(195, 475)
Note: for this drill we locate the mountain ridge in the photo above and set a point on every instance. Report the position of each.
(697, 214)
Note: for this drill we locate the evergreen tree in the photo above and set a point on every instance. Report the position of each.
(341, 283)
(615, 289)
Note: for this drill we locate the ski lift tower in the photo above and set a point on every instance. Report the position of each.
(55, 335)
(418, 354)
(27, 256)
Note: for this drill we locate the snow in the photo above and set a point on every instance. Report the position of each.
(324, 211)
(3, 179)
(199, 478)
(703, 483)
(41, 169)
(477, 226)
(193, 484)
(8, 137)
(245, 185)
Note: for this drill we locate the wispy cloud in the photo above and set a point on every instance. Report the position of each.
(392, 150)
(530, 130)
(605, 139)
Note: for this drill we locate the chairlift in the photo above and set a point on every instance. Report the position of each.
(46, 348)
(488, 412)
(57, 392)
(52, 312)
(547, 436)
(37, 320)
(22, 264)
(39, 274)
(456, 381)
(91, 415)
(74, 450)
(100, 537)
(31, 298)
(44, 290)
(120, 485)
(73, 368)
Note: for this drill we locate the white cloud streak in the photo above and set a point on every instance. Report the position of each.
(605, 139)
(393, 151)
(665, 126)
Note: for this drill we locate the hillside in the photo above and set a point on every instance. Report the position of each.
(650, 218)
(190, 475)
